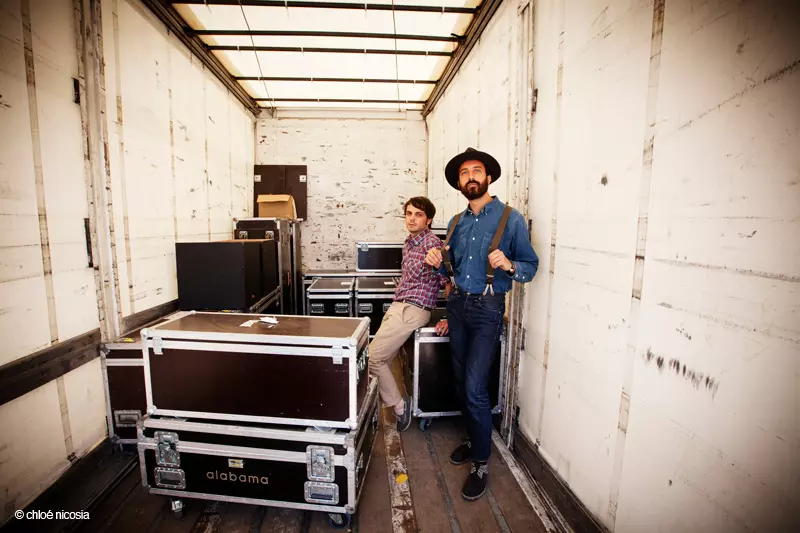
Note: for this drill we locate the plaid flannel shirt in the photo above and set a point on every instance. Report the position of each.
(420, 283)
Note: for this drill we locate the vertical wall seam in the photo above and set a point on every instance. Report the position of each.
(522, 160)
(205, 127)
(65, 424)
(641, 241)
(120, 126)
(102, 195)
(172, 148)
(33, 109)
(554, 222)
(230, 157)
(78, 22)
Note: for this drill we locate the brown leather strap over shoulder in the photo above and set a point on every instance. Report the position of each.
(446, 253)
(501, 227)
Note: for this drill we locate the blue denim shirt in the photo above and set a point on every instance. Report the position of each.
(469, 249)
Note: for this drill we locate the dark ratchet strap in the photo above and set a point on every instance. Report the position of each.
(495, 242)
(445, 252)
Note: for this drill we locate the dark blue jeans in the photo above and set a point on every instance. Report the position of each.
(475, 324)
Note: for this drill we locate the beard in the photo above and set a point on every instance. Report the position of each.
(473, 193)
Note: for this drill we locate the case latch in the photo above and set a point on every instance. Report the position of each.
(364, 247)
(167, 453)
(365, 308)
(337, 355)
(158, 345)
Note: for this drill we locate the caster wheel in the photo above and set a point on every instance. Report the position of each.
(425, 424)
(339, 521)
(177, 508)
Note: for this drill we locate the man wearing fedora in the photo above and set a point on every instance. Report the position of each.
(476, 305)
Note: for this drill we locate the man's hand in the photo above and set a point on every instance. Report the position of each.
(434, 257)
(499, 259)
(441, 327)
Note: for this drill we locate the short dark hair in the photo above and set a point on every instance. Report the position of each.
(423, 204)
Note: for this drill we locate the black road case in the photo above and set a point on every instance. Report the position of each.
(308, 371)
(373, 298)
(310, 275)
(330, 297)
(314, 469)
(386, 257)
(428, 365)
(126, 401)
(236, 275)
(287, 235)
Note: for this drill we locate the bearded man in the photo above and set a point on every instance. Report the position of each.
(476, 305)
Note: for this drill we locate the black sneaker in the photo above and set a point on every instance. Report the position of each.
(475, 485)
(462, 454)
(404, 420)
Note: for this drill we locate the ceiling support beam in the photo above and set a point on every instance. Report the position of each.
(333, 5)
(476, 27)
(341, 100)
(345, 80)
(342, 34)
(175, 24)
(309, 49)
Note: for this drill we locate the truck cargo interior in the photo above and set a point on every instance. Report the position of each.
(211, 277)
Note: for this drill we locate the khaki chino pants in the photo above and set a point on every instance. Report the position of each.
(399, 322)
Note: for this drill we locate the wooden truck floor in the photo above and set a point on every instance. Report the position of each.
(435, 490)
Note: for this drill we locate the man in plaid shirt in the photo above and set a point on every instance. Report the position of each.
(414, 299)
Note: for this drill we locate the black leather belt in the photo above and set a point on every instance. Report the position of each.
(415, 304)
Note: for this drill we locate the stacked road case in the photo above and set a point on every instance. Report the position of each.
(268, 410)
(286, 234)
(311, 276)
(374, 296)
(383, 257)
(125, 383)
(330, 297)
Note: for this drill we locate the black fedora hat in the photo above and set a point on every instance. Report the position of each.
(470, 154)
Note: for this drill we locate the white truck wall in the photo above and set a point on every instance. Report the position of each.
(361, 171)
(181, 152)
(476, 110)
(47, 288)
(663, 389)
(181, 156)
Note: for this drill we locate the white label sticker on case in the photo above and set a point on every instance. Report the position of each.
(345, 283)
(247, 324)
(388, 282)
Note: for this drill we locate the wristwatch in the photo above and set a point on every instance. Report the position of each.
(513, 269)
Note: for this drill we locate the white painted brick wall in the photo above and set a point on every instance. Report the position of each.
(360, 173)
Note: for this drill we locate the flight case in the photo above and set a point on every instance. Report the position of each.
(124, 382)
(330, 297)
(306, 371)
(374, 296)
(427, 364)
(279, 466)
